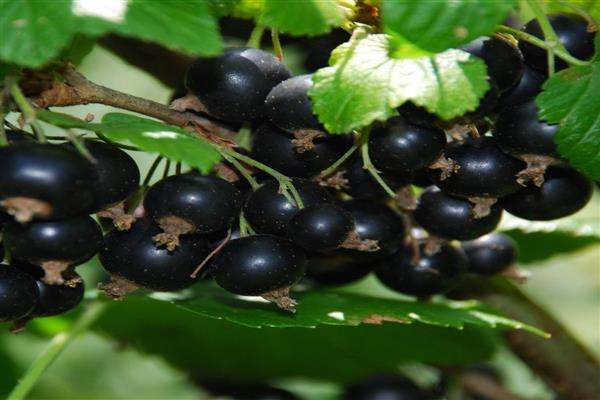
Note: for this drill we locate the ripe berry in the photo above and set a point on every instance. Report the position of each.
(133, 256)
(490, 254)
(483, 170)
(519, 131)
(385, 387)
(375, 221)
(400, 146)
(503, 60)
(233, 86)
(36, 179)
(453, 218)
(54, 245)
(486, 105)
(362, 186)
(256, 265)
(416, 115)
(118, 176)
(320, 227)
(572, 32)
(269, 211)
(337, 268)
(528, 87)
(192, 203)
(18, 293)
(288, 106)
(424, 275)
(564, 192)
(280, 151)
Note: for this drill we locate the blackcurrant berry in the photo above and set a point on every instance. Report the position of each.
(424, 275)
(487, 104)
(572, 32)
(280, 151)
(320, 227)
(385, 387)
(503, 60)
(288, 106)
(453, 218)
(54, 245)
(18, 293)
(133, 256)
(192, 203)
(233, 86)
(118, 176)
(337, 268)
(400, 146)
(564, 192)
(362, 186)
(45, 181)
(416, 115)
(519, 131)
(269, 211)
(375, 221)
(483, 170)
(528, 87)
(259, 264)
(490, 254)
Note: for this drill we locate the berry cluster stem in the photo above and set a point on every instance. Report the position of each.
(276, 44)
(340, 160)
(54, 348)
(368, 165)
(255, 36)
(27, 110)
(3, 138)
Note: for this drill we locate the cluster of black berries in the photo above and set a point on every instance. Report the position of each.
(334, 226)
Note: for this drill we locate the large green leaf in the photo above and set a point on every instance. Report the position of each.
(34, 31)
(148, 135)
(442, 24)
(366, 84)
(307, 17)
(571, 98)
(218, 349)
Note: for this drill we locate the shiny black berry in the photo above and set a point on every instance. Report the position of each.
(233, 86)
(483, 170)
(490, 254)
(45, 181)
(132, 255)
(337, 268)
(519, 131)
(486, 105)
(453, 218)
(269, 211)
(255, 265)
(564, 192)
(117, 177)
(362, 186)
(384, 387)
(18, 293)
(54, 245)
(375, 221)
(416, 115)
(208, 203)
(572, 32)
(288, 106)
(529, 86)
(320, 227)
(424, 275)
(400, 146)
(281, 151)
(503, 60)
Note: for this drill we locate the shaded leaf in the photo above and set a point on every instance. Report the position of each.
(307, 17)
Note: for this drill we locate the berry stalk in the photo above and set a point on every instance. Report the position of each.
(28, 111)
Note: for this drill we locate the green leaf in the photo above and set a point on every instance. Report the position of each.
(148, 135)
(442, 24)
(213, 348)
(571, 98)
(31, 32)
(307, 17)
(365, 84)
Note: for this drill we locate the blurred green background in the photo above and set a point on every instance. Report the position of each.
(95, 367)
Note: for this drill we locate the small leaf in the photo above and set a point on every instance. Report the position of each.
(148, 135)
(307, 17)
(442, 24)
(365, 84)
(571, 98)
(31, 34)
